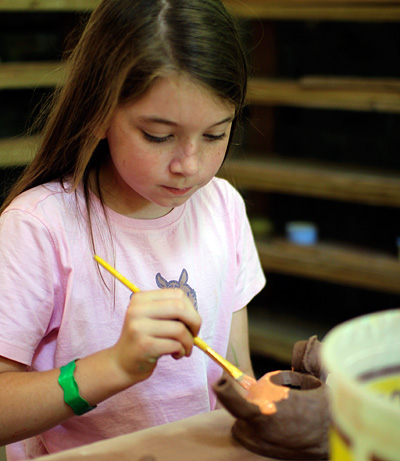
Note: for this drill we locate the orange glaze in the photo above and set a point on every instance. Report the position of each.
(265, 393)
(246, 381)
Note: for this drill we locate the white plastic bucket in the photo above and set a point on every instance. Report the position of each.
(363, 357)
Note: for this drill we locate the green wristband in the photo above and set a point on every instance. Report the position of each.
(71, 390)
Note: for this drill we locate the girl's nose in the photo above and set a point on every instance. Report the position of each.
(186, 162)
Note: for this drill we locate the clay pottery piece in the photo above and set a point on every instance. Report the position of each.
(284, 415)
(306, 358)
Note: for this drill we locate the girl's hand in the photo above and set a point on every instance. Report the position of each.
(157, 323)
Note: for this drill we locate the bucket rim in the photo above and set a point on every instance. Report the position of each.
(329, 360)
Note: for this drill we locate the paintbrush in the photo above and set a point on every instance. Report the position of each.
(244, 380)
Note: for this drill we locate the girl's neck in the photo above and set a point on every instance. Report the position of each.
(130, 203)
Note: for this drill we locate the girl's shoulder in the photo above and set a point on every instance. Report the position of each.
(51, 195)
(52, 205)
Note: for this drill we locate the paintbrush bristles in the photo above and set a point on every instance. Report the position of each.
(246, 381)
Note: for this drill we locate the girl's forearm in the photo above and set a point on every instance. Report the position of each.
(33, 402)
(30, 403)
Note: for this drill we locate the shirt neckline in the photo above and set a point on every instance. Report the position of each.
(135, 223)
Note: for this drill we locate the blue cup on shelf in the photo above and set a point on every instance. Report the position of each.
(302, 232)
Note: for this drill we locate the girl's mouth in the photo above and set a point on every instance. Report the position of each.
(176, 191)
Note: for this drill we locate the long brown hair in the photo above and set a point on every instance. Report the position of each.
(125, 45)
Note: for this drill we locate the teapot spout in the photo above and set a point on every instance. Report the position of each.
(233, 401)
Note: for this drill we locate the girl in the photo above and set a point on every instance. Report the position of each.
(126, 170)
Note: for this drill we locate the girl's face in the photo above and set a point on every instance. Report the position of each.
(164, 147)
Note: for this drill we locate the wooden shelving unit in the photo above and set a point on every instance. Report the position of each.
(380, 95)
(314, 179)
(267, 172)
(30, 75)
(343, 264)
(331, 10)
(47, 5)
(17, 151)
(356, 10)
(272, 331)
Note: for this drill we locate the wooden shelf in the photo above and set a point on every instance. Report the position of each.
(315, 179)
(322, 10)
(319, 10)
(344, 265)
(17, 151)
(27, 75)
(273, 334)
(47, 5)
(379, 95)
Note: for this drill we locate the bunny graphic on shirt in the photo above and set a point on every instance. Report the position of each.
(181, 283)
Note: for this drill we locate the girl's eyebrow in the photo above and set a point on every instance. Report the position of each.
(225, 120)
(163, 121)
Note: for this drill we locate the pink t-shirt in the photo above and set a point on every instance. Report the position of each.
(55, 308)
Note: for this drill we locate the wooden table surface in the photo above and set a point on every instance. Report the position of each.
(203, 437)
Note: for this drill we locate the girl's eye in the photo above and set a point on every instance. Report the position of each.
(212, 137)
(152, 138)
(209, 137)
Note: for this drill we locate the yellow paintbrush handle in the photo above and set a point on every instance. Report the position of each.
(227, 366)
(116, 274)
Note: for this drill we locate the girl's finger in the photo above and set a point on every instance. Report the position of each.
(173, 305)
(162, 329)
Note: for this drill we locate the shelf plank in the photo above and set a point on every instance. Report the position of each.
(319, 10)
(26, 75)
(314, 179)
(48, 5)
(323, 92)
(331, 10)
(273, 333)
(380, 95)
(17, 151)
(333, 263)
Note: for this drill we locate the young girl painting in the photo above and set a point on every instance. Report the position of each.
(126, 170)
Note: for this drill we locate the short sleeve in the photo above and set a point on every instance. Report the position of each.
(27, 284)
(250, 275)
